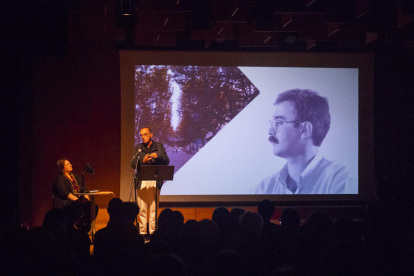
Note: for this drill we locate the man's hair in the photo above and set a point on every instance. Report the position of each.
(311, 107)
(149, 129)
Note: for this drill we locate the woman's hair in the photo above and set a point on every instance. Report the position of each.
(60, 165)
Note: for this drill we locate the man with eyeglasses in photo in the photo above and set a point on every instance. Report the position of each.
(149, 152)
(300, 122)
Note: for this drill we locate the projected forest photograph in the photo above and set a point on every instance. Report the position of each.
(186, 106)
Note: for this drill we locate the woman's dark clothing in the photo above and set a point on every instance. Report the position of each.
(61, 189)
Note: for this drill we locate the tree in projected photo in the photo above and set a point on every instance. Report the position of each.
(152, 101)
(209, 98)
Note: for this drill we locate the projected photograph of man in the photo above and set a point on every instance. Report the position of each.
(299, 124)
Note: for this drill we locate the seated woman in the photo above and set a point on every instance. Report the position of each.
(64, 190)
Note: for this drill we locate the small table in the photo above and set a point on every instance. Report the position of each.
(92, 199)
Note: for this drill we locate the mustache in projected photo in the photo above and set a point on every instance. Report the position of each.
(214, 124)
(273, 139)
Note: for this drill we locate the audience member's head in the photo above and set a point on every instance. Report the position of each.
(55, 222)
(290, 220)
(320, 220)
(206, 235)
(188, 226)
(266, 209)
(234, 222)
(131, 211)
(221, 216)
(175, 222)
(251, 224)
(55, 219)
(163, 219)
(116, 209)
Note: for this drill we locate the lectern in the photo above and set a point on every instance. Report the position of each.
(159, 173)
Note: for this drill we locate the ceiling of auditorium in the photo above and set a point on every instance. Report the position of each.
(244, 25)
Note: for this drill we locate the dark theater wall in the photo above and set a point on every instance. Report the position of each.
(393, 120)
(76, 116)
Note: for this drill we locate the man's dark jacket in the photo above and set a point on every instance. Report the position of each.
(156, 147)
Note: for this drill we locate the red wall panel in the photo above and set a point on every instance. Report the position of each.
(76, 116)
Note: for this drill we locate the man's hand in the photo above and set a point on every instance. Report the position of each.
(149, 157)
(153, 155)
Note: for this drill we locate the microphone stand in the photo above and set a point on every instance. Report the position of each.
(135, 180)
(137, 169)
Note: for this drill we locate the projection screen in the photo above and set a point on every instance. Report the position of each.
(212, 112)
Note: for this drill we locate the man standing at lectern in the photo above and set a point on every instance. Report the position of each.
(148, 152)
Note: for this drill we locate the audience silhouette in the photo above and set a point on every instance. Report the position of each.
(118, 246)
(266, 209)
(230, 243)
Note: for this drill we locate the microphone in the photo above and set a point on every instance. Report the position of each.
(136, 155)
